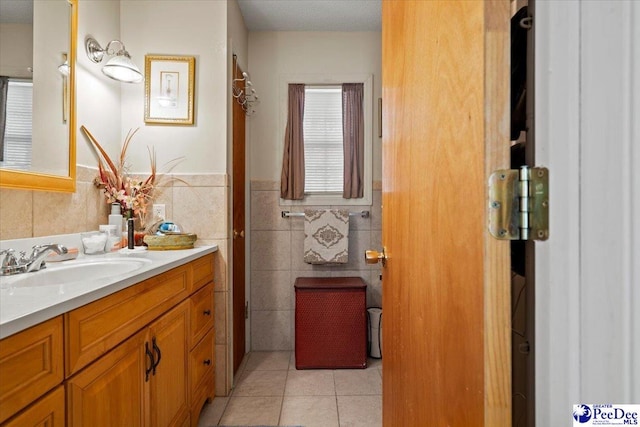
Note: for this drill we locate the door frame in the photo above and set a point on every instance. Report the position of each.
(587, 136)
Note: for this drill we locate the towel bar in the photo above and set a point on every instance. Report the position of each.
(285, 214)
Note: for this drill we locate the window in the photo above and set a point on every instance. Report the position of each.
(17, 135)
(324, 186)
(323, 150)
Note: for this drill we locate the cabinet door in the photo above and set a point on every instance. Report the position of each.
(46, 412)
(111, 391)
(169, 337)
(30, 365)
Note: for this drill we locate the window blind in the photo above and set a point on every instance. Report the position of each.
(323, 147)
(17, 135)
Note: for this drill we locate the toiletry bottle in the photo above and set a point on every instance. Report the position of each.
(130, 233)
(116, 219)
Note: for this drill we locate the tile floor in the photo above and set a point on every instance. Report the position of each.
(270, 391)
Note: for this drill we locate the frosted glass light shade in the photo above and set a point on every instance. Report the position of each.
(122, 69)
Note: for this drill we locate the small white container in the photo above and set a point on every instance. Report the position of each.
(113, 239)
(93, 242)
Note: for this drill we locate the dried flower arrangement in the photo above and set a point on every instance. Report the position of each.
(133, 195)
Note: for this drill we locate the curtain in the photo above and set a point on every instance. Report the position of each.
(353, 136)
(292, 178)
(4, 87)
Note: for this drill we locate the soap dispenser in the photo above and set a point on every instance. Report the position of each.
(116, 219)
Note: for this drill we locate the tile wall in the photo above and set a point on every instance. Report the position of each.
(276, 261)
(197, 202)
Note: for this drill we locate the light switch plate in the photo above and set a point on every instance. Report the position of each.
(159, 212)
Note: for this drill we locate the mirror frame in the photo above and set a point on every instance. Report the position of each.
(46, 182)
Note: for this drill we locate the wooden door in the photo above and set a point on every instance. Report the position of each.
(446, 334)
(112, 390)
(169, 382)
(238, 241)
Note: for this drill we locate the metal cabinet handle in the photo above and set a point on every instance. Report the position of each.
(157, 350)
(237, 233)
(207, 312)
(207, 362)
(148, 353)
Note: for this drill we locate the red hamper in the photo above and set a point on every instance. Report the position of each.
(331, 325)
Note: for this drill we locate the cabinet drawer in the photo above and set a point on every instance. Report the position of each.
(30, 365)
(201, 364)
(202, 271)
(46, 412)
(95, 328)
(201, 313)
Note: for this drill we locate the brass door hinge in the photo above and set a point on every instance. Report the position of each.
(519, 204)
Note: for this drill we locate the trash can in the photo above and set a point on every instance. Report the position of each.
(374, 315)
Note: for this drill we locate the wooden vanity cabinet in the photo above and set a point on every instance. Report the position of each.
(46, 412)
(142, 382)
(31, 364)
(143, 356)
(202, 351)
(155, 377)
(169, 380)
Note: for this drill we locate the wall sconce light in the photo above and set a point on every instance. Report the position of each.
(65, 70)
(64, 67)
(120, 67)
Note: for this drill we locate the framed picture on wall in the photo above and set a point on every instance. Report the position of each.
(169, 89)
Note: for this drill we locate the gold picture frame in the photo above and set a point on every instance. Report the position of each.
(169, 83)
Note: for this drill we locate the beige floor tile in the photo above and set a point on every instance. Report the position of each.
(252, 411)
(268, 361)
(212, 412)
(292, 361)
(310, 383)
(242, 368)
(261, 383)
(309, 411)
(374, 363)
(360, 411)
(358, 381)
(309, 395)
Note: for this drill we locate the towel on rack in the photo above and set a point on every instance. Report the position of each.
(326, 236)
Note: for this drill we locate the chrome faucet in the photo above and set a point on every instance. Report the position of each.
(36, 261)
(23, 264)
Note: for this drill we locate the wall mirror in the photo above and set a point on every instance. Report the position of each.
(37, 68)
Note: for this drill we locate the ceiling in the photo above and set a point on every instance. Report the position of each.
(312, 15)
(16, 12)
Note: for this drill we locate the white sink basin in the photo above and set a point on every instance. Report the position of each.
(76, 271)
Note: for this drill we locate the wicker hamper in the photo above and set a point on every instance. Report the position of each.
(330, 324)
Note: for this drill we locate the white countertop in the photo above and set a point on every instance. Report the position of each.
(23, 307)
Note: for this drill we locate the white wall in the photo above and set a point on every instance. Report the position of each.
(193, 28)
(588, 272)
(16, 50)
(237, 33)
(97, 97)
(109, 109)
(272, 54)
(50, 131)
